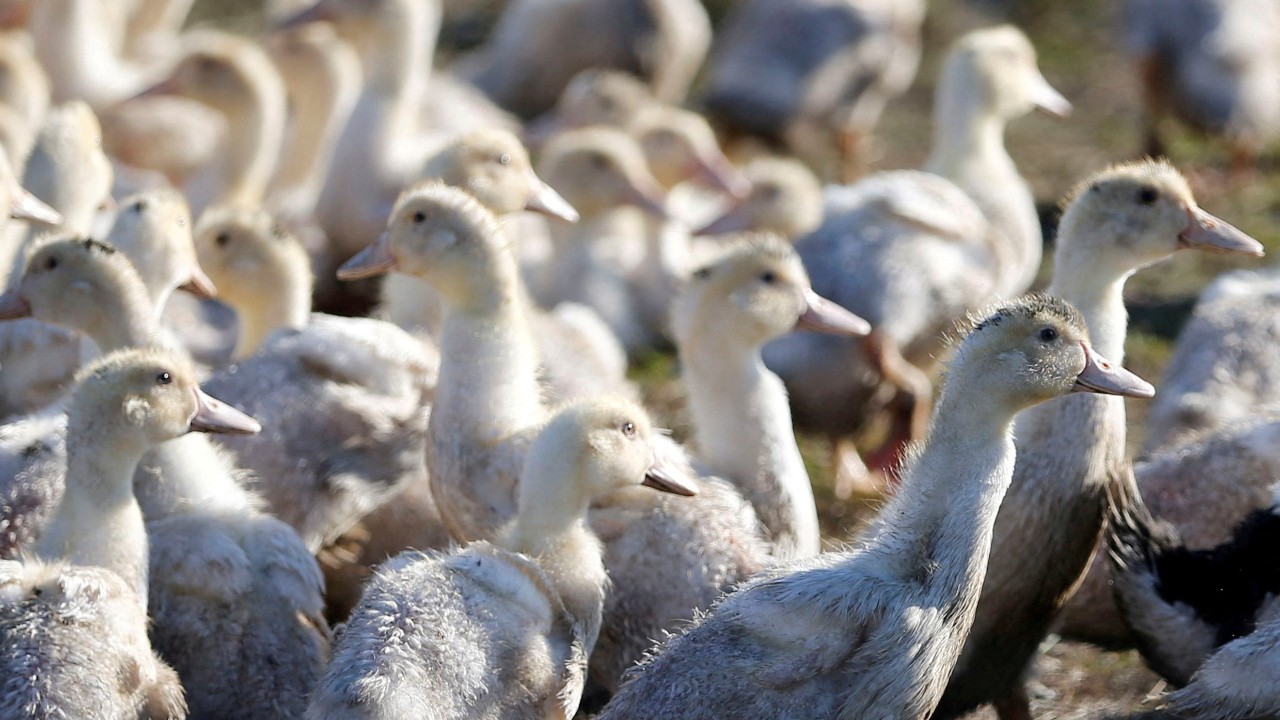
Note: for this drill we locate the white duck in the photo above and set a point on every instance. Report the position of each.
(785, 198)
(741, 421)
(666, 559)
(874, 632)
(217, 555)
(1072, 450)
(972, 216)
(124, 405)
(80, 45)
(602, 172)
(346, 395)
(502, 630)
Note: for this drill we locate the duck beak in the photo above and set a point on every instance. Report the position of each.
(168, 86)
(200, 285)
(824, 316)
(662, 477)
(214, 416)
(716, 171)
(1046, 98)
(1101, 376)
(370, 262)
(25, 206)
(14, 306)
(547, 201)
(1206, 232)
(318, 12)
(648, 197)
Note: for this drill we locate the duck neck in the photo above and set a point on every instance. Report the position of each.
(941, 520)
(319, 109)
(1097, 294)
(188, 474)
(488, 385)
(551, 528)
(968, 140)
(285, 304)
(98, 521)
(742, 429)
(254, 133)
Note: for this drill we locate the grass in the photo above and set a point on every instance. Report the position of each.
(1079, 48)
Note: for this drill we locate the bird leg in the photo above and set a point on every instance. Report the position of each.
(910, 408)
(1153, 78)
(850, 143)
(851, 474)
(1014, 706)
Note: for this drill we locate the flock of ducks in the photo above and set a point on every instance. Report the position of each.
(433, 490)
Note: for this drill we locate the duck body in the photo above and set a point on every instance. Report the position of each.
(70, 635)
(1221, 369)
(538, 47)
(441, 658)
(373, 435)
(1183, 604)
(866, 256)
(1172, 483)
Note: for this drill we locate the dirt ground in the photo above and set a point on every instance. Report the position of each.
(1078, 42)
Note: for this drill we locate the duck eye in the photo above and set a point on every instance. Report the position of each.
(702, 273)
(768, 277)
(139, 206)
(1048, 334)
(222, 239)
(770, 192)
(1147, 195)
(419, 217)
(164, 378)
(51, 263)
(629, 429)
(598, 161)
(504, 159)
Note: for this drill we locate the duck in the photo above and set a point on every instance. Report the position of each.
(1183, 604)
(971, 214)
(236, 77)
(154, 229)
(502, 628)
(535, 50)
(601, 171)
(813, 74)
(96, 549)
(1210, 64)
(236, 599)
(873, 632)
(1220, 370)
(1174, 482)
(741, 421)
(348, 395)
(666, 559)
(785, 198)
(1124, 218)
